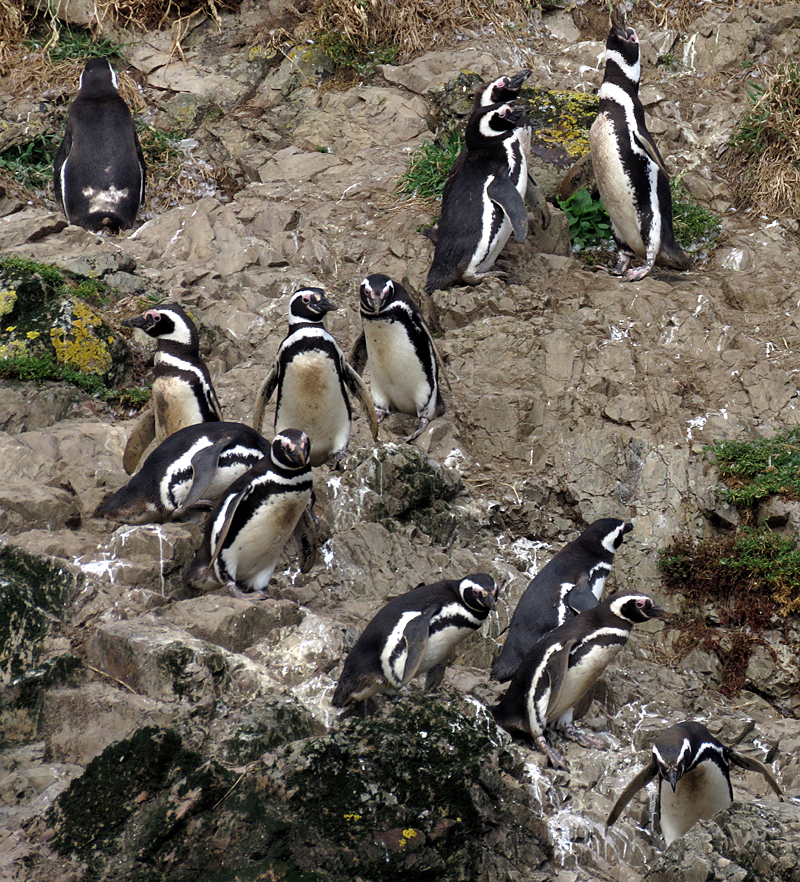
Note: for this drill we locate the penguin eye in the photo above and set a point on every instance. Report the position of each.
(154, 315)
(306, 298)
(641, 603)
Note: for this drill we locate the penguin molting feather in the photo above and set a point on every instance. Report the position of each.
(551, 685)
(183, 393)
(483, 199)
(570, 583)
(403, 361)
(99, 170)
(187, 472)
(312, 377)
(630, 173)
(246, 531)
(693, 771)
(414, 634)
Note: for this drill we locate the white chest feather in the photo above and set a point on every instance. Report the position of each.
(581, 676)
(397, 379)
(175, 405)
(395, 651)
(700, 793)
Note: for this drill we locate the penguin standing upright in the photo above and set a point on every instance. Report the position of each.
(483, 199)
(693, 770)
(414, 634)
(312, 377)
(552, 682)
(246, 532)
(630, 173)
(189, 470)
(570, 583)
(99, 169)
(403, 362)
(183, 393)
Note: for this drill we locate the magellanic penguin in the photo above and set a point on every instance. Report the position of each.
(414, 634)
(190, 469)
(483, 199)
(553, 681)
(312, 377)
(99, 170)
(630, 173)
(693, 770)
(570, 583)
(403, 361)
(183, 394)
(246, 531)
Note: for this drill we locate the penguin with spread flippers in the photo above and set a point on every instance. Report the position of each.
(312, 377)
(258, 513)
(99, 169)
(483, 199)
(187, 472)
(570, 583)
(630, 173)
(552, 684)
(414, 634)
(399, 350)
(183, 393)
(693, 771)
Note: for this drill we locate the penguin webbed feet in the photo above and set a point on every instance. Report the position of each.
(235, 591)
(556, 760)
(423, 424)
(622, 264)
(582, 738)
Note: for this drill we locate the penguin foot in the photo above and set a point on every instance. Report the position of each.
(622, 264)
(634, 275)
(380, 413)
(557, 761)
(236, 591)
(423, 424)
(582, 738)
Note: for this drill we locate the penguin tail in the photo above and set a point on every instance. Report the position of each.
(440, 278)
(674, 257)
(106, 221)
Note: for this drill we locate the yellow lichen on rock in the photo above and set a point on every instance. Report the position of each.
(79, 346)
(8, 300)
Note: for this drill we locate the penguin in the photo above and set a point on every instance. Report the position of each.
(187, 471)
(246, 531)
(570, 583)
(414, 634)
(483, 199)
(99, 170)
(403, 361)
(693, 770)
(630, 173)
(312, 377)
(183, 393)
(551, 685)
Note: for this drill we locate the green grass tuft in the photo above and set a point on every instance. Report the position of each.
(695, 227)
(429, 167)
(76, 43)
(31, 164)
(38, 368)
(355, 56)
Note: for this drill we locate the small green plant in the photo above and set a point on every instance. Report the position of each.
(667, 60)
(22, 265)
(429, 167)
(589, 223)
(750, 136)
(695, 227)
(75, 43)
(354, 55)
(39, 367)
(31, 164)
(754, 470)
(65, 283)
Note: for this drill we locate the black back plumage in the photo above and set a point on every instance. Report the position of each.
(570, 583)
(99, 169)
(467, 234)
(413, 634)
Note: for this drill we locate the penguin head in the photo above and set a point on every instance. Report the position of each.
(622, 44)
(376, 292)
(309, 305)
(478, 591)
(502, 89)
(674, 754)
(493, 123)
(633, 607)
(168, 323)
(291, 449)
(98, 77)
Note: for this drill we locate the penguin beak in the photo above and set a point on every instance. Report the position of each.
(145, 322)
(618, 24)
(515, 82)
(327, 305)
(518, 115)
(673, 777)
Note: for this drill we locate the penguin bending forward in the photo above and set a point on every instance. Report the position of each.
(246, 531)
(570, 583)
(630, 173)
(403, 361)
(483, 199)
(187, 472)
(693, 770)
(551, 685)
(414, 634)
(183, 393)
(312, 377)
(99, 169)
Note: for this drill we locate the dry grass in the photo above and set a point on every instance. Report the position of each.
(679, 14)
(764, 159)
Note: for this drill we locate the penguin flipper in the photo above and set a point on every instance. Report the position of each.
(753, 765)
(502, 192)
(645, 776)
(204, 467)
(537, 203)
(306, 536)
(644, 139)
(358, 354)
(263, 395)
(223, 533)
(581, 598)
(557, 667)
(359, 389)
(435, 676)
(415, 635)
(141, 438)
